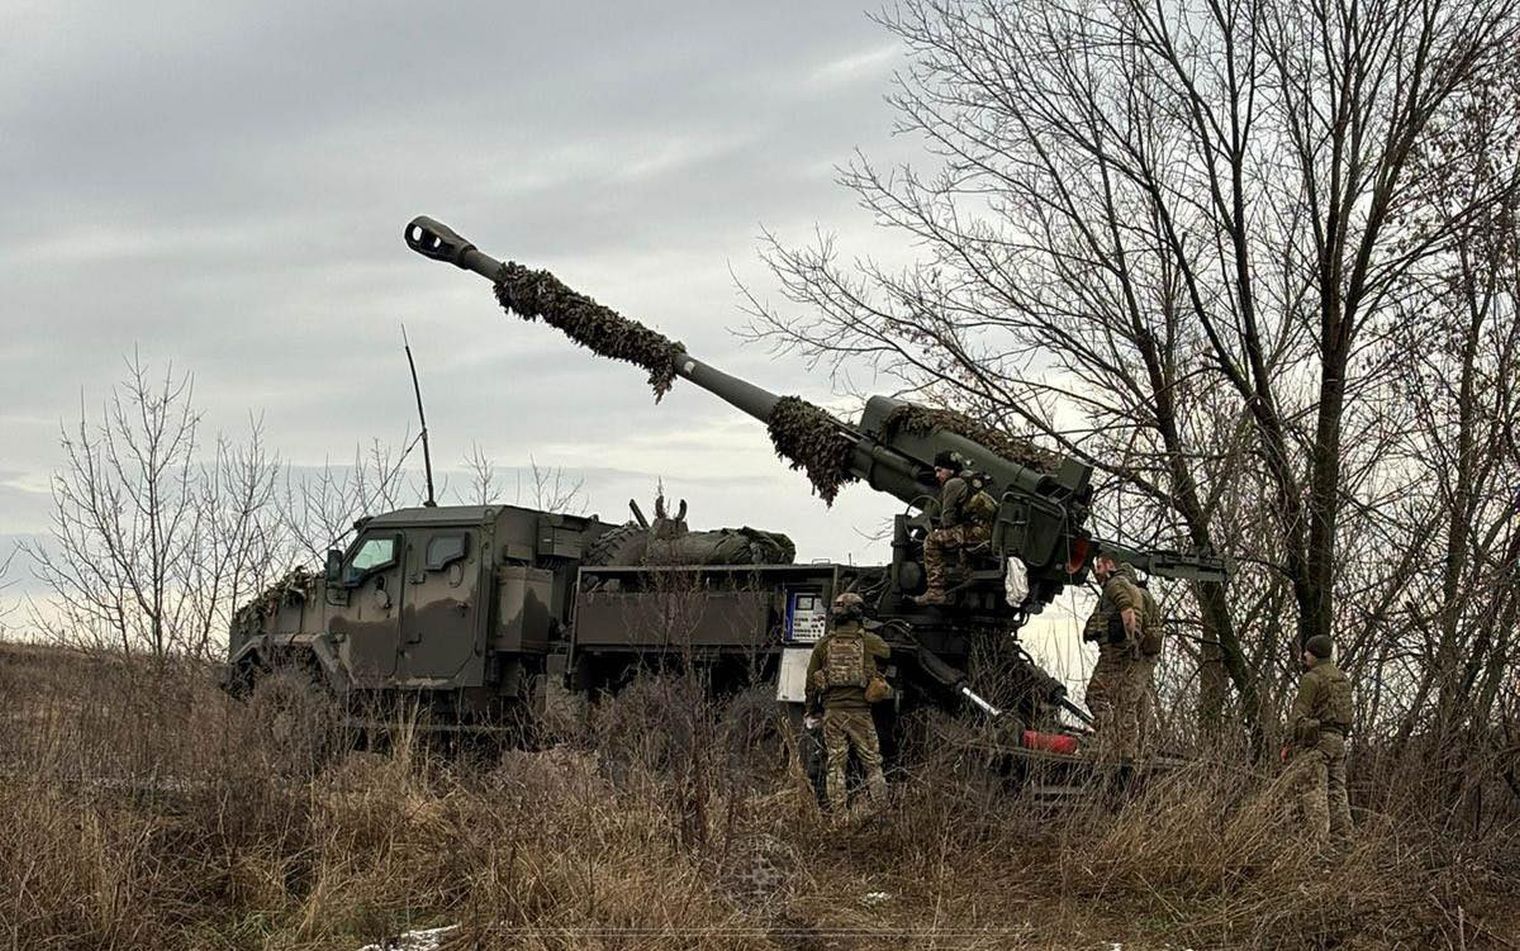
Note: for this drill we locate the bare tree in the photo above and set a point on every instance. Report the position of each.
(553, 490)
(550, 489)
(319, 509)
(1460, 373)
(239, 538)
(482, 473)
(6, 582)
(149, 549)
(1171, 236)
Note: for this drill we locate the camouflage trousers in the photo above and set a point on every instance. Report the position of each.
(1114, 700)
(1317, 776)
(844, 730)
(1143, 680)
(940, 544)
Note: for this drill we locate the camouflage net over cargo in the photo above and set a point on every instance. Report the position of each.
(295, 585)
(810, 439)
(538, 294)
(921, 421)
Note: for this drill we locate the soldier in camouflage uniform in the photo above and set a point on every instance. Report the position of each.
(965, 519)
(1318, 724)
(1115, 625)
(840, 669)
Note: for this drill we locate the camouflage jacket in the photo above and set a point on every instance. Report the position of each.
(1324, 696)
(843, 698)
(952, 497)
(1120, 591)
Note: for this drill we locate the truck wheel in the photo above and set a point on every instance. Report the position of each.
(754, 730)
(623, 545)
(296, 721)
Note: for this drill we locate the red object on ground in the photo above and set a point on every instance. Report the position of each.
(1050, 742)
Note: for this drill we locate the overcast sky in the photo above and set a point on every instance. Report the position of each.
(225, 185)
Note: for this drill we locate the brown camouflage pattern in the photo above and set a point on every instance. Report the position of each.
(1317, 777)
(845, 730)
(540, 295)
(1113, 698)
(922, 421)
(939, 544)
(811, 439)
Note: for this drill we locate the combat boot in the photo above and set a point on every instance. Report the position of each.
(929, 598)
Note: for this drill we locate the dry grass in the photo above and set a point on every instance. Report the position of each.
(140, 808)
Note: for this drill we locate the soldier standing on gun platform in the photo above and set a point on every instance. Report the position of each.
(965, 519)
(1318, 724)
(844, 679)
(1115, 625)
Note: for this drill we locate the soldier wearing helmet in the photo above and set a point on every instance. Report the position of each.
(965, 519)
(1318, 724)
(844, 678)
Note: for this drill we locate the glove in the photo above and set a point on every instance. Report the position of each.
(812, 722)
(1285, 753)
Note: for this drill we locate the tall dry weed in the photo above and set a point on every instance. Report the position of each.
(141, 808)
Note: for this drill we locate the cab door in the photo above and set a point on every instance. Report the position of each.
(366, 626)
(442, 624)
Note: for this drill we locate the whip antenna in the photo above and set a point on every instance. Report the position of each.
(427, 456)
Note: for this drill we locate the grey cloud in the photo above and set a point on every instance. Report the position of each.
(224, 185)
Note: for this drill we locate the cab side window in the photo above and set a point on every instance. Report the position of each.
(373, 554)
(444, 550)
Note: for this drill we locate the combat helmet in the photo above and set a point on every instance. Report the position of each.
(848, 606)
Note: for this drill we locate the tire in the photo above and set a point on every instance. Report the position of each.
(296, 721)
(623, 545)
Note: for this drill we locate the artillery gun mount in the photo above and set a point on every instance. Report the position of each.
(468, 610)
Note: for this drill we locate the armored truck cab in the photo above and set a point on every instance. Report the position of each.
(466, 607)
(462, 602)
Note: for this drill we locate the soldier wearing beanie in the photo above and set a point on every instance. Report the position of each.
(965, 519)
(1318, 724)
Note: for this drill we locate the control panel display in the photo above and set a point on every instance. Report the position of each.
(807, 617)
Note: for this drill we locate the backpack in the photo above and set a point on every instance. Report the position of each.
(980, 507)
(1152, 625)
(844, 661)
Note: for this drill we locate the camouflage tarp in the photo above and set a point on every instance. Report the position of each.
(724, 546)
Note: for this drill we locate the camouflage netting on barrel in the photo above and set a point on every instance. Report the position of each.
(811, 440)
(538, 294)
(921, 421)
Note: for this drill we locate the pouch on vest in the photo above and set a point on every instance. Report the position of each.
(1340, 708)
(1116, 632)
(845, 662)
(1092, 631)
(1153, 631)
(1306, 733)
(981, 508)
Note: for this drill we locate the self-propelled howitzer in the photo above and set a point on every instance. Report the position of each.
(1039, 531)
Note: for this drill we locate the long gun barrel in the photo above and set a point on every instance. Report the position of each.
(1042, 497)
(438, 241)
(809, 436)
